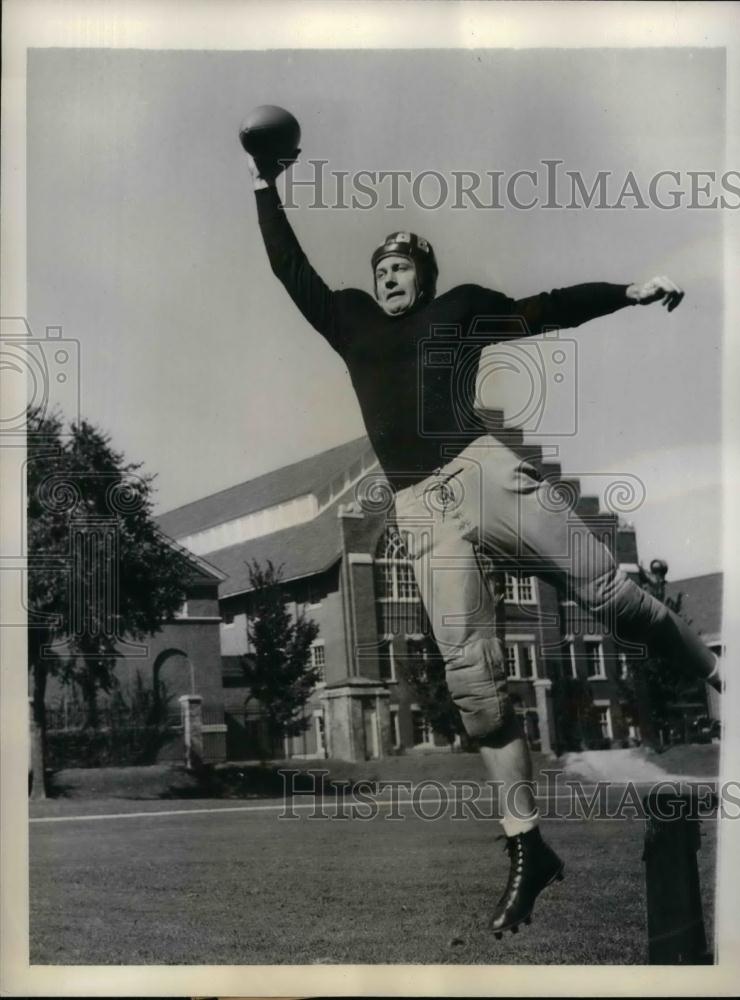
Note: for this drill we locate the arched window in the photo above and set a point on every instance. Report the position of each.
(396, 574)
(399, 605)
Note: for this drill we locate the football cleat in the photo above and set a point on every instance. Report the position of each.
(533, 865)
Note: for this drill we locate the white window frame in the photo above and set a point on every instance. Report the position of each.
(598, 641)
(387, 640)
(319, 644)
(624, 666)
(427, 730)
(605, 706)
(391, 561)
(532, 647)
(512, 582)
(570, 640)
(318, 719)
(512, 647)
(515, 641)
(395, 728)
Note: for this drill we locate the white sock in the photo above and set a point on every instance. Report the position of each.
(514, 825)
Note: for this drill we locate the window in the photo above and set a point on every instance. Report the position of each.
(422, 731)
(519, 589)
(396, 571)
(318, 659)
(406, 584)
(527, 666)
(387, 660)
(227, 617)
(595, 659)
(520, 661)
(318, 729)
(572, 658)
(604, 717)
(400, 611)
(624, 666)
(526, 589)
(182, 611)
(395, 729)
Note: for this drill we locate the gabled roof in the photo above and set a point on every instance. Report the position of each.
(201, 569)
(303, 550)
(307, 476)
(702, 602)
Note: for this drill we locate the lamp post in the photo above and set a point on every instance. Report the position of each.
(654, 582)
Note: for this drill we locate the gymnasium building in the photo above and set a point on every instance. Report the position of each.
(345, 567)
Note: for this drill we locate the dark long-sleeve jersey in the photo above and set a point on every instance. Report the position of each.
(414, 374)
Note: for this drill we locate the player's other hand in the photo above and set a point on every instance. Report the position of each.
(264, 171)
(660, 289)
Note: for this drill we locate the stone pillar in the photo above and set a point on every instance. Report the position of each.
(358, 725)
(191, 706)
(545, 715)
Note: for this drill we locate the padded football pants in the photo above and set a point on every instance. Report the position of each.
(487, 500)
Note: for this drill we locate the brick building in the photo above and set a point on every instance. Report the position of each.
(183, 658)
(701, 604)
(347, 570)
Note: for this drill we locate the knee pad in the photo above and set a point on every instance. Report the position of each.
(476, 678)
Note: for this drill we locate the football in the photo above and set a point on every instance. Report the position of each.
(270, 132)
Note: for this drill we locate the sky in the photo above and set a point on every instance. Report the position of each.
(143, 246)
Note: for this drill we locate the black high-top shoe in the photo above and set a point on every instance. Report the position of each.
(533, 866)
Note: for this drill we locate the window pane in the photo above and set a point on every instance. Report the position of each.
(419, 728)
(593, 657)
(526, 661)
(526, 590)
(386, 580)
(510, 587)
(385, 656)
(318, 659)
(395, 729)
(406, 582)
(510, 660)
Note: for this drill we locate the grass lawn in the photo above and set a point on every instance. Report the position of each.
(249, 780)
(247, 888)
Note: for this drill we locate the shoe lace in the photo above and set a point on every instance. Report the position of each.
(513, 847)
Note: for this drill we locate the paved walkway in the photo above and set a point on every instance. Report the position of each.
(617, 765)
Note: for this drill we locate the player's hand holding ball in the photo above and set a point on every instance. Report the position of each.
(270, 137)
(657, 289)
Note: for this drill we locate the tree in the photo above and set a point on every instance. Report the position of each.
(279, 674)
(101, 574)
(424, 671)
(574, 712)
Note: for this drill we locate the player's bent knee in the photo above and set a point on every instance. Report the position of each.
(612, 597)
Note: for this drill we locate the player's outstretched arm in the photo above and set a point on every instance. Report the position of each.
(569, 307)
(287, 259)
